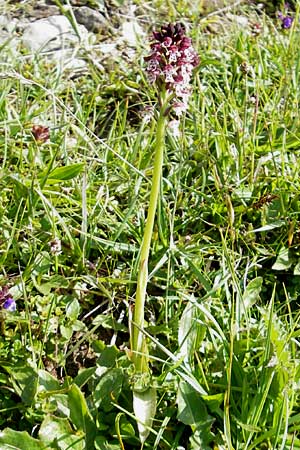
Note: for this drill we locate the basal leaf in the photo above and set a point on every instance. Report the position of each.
(284, 260)
(202, 436)
(65, 172)
(191, 407)
(80, 416)
(19, 440)
(252, 291)
(58, 432)
(188, 333)
(108, 389)
(47, 382)
(144, 407)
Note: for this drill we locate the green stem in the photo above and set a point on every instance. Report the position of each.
(138, 339)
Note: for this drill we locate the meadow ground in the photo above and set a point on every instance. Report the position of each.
(222, 305)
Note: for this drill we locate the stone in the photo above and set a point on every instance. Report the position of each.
(8, 24)
(51, 33)
(241, 21)
(131, 33)
(91, 19)
(7, 37)
(41, 11)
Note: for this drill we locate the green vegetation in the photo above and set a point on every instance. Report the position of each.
(222, 316)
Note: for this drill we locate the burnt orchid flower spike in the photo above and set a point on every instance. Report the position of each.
(171, 63)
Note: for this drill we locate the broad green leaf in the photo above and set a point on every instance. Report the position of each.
(191, 407)
(47, 382)
(108, 389)
(56, 281)
(66, 332)
(144, 407)
(80, 416)
(78, 408)
(284, 260)
(270, 226)
(108, 356)
(24, 380)
(252, 291)
(102, 444)
(109, 322)
(188, 333)
(243, 193)
(41, 264)
(127, 428)
(19, 440)
(66, 172)
(297, 268)
(214, 403)
(202, 436)
(62, 404)
(73, 309)
(57, 432)
(84, 376)
(30, 389)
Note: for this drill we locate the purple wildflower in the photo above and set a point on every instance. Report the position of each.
(6, 300)
(286, 21)
(171, 63)
(10, 304)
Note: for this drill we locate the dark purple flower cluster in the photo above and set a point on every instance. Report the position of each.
(6, 300)
(171, 63)
(40, 133)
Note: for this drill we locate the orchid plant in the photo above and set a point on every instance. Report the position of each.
(169, 68)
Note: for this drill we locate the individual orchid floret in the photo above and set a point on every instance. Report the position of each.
(173, 127)
(171, 63)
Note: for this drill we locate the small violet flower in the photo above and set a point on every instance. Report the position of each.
(286, 21)
(6, 300)
(171, 63)
(10, 304)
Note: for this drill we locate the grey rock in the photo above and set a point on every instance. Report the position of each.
(91, 19)
(7, 23)
(51, 33)
(8, 38)
(41, 11)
